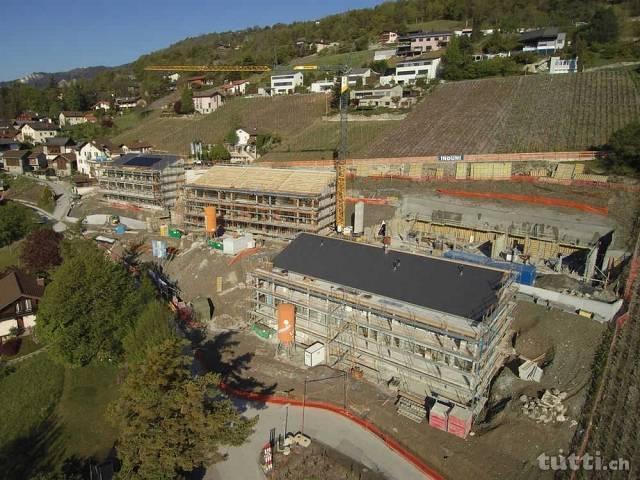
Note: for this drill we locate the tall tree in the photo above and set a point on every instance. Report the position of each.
(89, 306)
(154, 325)
(41, 250)
(15, 222)
(624, 147)
(186, 101)
(170, 422)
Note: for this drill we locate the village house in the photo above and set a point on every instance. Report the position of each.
(235, 87)
(16, 162)
(361, 76)
(102, 105)
(8, 144)
(90, 155)
(387, 97)
(207, 101)
(388, 37)
(286, 82)
(136, 147)
(37, 132)
(543, 41)
(128, 103)
(409, 71)
(416, 43)
(322, 86)
(69, 119)
(36, 159)
(54, 146)
(20, 294)
(64, 164)
(25, 117)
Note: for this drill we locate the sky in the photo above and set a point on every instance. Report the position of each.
(46, 36)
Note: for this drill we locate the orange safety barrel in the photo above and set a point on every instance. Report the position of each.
(210, 221)
(286, 323)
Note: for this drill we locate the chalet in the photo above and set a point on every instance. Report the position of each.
(388, 37)
(286, 82)
(360, 76)
(102, 105)
(37, 132)
(248, 136)
(64, 164)
(37, 160)
(16, 161)
(207, 101)
(236, 87)
(27, 117)
(20, 294)
(90, 155)
(54, 146)
(416, 43)
(543, 41)
(69, 119)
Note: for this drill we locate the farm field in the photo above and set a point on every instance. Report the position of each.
(284, 116)
(515, 114)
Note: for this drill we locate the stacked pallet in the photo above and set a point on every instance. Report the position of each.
(462, 171)
(439, 416)
(411, 409)
(564, 171)
(460, 420)
(588, 177)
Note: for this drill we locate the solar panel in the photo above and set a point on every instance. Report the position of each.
(142, 161)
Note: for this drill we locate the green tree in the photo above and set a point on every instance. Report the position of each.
(186, 101)
(170, 422)
(89, 306)
(603, 27)
(15, 222)
(218, 152)
(624, 147)
(154, 326)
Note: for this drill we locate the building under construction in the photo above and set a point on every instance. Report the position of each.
(431, 327)
(145, 180)
(268, 201)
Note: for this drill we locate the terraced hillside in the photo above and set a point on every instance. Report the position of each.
(285, 116)
(515, 114)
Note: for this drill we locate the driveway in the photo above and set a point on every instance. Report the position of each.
(327, 427)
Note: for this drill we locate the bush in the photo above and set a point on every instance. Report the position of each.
(10, 347)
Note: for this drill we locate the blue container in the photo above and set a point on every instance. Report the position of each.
(121, 228)
(524, 274)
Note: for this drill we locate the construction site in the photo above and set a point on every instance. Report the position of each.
(143, 180)
(428, 327)
(267, 201)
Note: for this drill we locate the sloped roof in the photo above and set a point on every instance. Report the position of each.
(15, 284)
(72, 114)
(59, 141)
(41, 126)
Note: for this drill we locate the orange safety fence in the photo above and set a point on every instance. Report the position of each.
(536, 199)
(387, 439)
(245, 253)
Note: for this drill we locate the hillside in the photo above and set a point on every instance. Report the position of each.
(516, 114)
(284, 116)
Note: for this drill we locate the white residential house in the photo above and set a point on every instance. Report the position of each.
(543, 41)
(89, 155)
(388, 97)
(127, 103)
(388, 37)
(409, 71)
(322, 86)
(71, 118)
(207, 101)
(102, 105)
(558, 65)
(322, 45)
(236, 87)
(54, 146)
(361, 75)
(284, 83)
(37, 132)
(173, 77)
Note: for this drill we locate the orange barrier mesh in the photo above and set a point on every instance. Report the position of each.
(536, 199)
(388, 440)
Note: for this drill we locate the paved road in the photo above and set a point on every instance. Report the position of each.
(62, 191)
(329, 428)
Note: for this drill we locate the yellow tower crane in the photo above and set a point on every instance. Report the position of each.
(341, 70)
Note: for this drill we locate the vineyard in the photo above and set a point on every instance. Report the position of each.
(614, 431)
(516, 114)
(284, 116)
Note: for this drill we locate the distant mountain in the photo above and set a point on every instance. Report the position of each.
(42, 79)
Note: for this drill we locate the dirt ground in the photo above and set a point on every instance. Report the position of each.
(319, 461)
(92, 204)
(504, 446)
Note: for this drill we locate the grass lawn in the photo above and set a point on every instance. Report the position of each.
(51, 413)
(9, 255)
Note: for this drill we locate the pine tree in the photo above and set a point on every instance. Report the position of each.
(171, 423)
(186, 101)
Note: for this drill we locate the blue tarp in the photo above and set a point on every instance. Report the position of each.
(121, 228)
(525, 274)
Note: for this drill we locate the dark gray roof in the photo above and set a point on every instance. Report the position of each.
(145, 160)
(429, 282)
(59, 141)
(548, 32)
